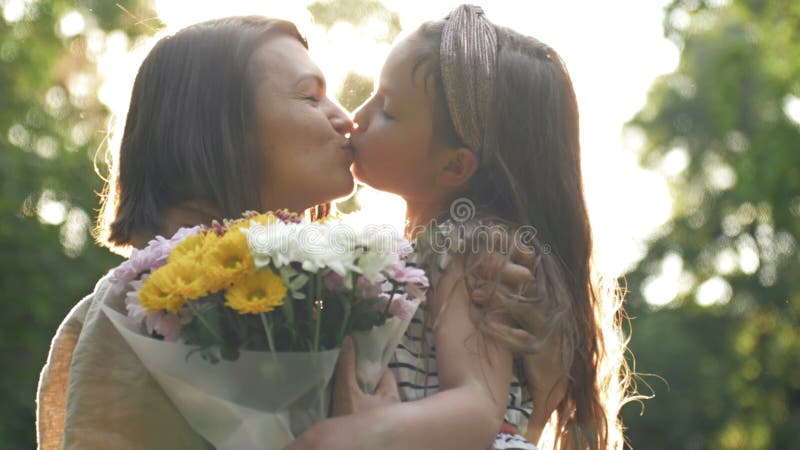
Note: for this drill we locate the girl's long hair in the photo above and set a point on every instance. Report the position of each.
(532, 181)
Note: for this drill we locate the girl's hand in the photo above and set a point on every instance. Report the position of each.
(348, 398)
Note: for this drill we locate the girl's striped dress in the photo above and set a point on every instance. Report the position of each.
(414, 366)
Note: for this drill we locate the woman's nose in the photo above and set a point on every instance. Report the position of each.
(339, 119)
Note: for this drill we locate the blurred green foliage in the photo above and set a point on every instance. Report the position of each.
(725, 129)
(719, 126)
(354, 91)
(51, 126)
(357, 13)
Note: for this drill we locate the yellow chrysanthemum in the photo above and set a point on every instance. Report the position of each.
(228, 260)
(172, 285)
(193, 247)
(259, 292)
(155, 295)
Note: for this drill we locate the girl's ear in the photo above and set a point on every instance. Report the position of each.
(457, 167)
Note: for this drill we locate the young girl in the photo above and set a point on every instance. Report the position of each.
(472, 117)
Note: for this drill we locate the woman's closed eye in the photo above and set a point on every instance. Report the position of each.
(313, 98)
(311, 88)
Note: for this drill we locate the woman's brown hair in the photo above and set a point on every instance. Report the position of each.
(187, 129)
(532, 180)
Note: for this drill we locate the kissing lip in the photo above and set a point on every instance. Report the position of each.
(351, 144)
(348, 146)
(349, 151)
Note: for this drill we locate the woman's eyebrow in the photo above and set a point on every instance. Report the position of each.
(313, 76)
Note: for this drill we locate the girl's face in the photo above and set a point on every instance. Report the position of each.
(299, 131)
(393, 145)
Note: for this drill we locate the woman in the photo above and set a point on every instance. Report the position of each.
(225, 116)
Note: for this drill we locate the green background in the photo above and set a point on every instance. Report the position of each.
(725, 376)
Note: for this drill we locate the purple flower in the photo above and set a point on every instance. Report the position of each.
(284, 215)
(183, 233)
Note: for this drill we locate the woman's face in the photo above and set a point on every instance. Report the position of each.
(299, 130)
(393, 145)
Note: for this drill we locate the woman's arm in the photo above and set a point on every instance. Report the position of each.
(467, 413)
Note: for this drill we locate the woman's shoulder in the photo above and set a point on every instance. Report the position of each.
(102, 294)
(81, 308)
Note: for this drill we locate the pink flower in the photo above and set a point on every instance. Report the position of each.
(333, 281)
(366, 289)
(415, 291)
(409, 274)
(168, 324)
(403, 308)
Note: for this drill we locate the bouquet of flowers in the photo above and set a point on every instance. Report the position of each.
(241, 322)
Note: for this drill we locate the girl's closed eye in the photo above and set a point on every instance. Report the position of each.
(387, 110)
(386, 114)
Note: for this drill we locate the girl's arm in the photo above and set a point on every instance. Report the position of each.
(467, 413)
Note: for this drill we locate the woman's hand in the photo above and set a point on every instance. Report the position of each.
(547, 377)
(340, 433)
(348, 398)
(331, 434)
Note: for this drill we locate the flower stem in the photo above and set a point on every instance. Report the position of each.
(318, 306)
(268, 332)
(391, 298)
(202, 319)
(348, 306)
(288, 313)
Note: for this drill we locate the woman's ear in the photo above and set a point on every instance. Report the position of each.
(457, 167)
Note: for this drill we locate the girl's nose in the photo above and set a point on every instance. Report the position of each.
(360, 117)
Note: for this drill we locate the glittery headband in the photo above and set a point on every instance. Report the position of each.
(468, 55)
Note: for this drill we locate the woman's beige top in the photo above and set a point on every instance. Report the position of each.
(95, 394)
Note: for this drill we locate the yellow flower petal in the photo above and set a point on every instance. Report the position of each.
(193, 246)
(171, 286)
(259, 292)
(227, 261)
